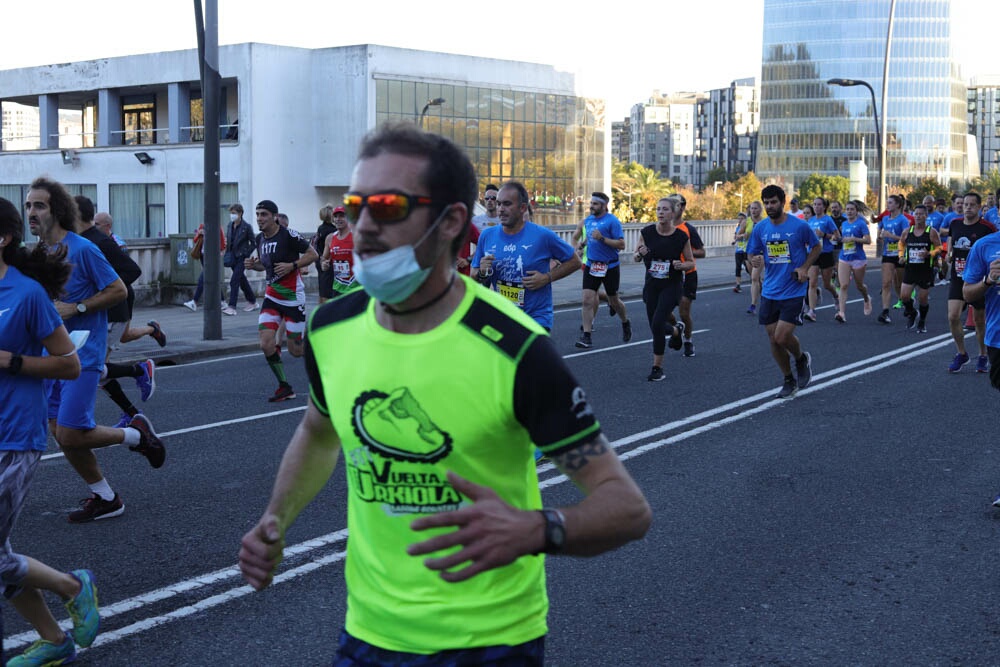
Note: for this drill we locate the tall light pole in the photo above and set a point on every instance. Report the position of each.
(436, 102)
(878, 133)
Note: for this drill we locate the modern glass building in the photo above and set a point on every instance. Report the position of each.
(553, 144)
(808, 126)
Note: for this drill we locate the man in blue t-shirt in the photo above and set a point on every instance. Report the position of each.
(991, 214)
(785, 247)
(514, 257)
(603, 238)
(981, 279)
(92, 288)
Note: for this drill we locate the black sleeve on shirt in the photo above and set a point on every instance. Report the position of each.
(549, 402)
(124, 266)
(299, 243)
(696, 243)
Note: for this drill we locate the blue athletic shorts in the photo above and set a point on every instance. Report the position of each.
(352, 652)
(786, 310)
(71, 402)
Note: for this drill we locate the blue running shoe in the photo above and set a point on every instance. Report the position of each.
(983, 364)
(147, 381)
(43, 653)
(83, 609)
(125, 419)
(956, 364)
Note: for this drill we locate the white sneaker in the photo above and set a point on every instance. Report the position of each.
(191, 305)
(250, 307)
(228, 311)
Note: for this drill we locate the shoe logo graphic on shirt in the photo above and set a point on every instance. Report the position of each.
(395, 426)
(527, 246)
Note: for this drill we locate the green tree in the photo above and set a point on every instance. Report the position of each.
(987, 183)
(717, 174)
(636, 190)
(819, 185)
(928, 186)
(740, 193)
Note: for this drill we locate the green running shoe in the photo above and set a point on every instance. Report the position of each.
(83, 609)
(43, 653)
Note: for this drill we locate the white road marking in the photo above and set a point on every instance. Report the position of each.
(837, 376)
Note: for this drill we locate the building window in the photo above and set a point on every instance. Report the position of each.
(139, 120)
(191, 205)
(137, 209)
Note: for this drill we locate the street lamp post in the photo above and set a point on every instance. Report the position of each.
(436, 102)
(878, 133)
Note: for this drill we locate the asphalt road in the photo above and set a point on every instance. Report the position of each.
(849, 525)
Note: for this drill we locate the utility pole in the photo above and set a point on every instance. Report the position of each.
(211, 82)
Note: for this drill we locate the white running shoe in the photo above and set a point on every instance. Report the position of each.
(191, 305)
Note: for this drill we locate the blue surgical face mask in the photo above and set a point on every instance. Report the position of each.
(392, 277)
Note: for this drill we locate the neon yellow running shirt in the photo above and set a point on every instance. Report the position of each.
(473, 395)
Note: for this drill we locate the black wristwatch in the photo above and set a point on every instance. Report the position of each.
(15, 364)
(555, 531)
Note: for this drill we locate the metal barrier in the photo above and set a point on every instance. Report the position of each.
(155, 285)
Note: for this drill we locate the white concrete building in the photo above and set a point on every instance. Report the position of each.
(290, 122)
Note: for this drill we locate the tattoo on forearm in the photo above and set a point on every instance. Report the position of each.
(575, 459)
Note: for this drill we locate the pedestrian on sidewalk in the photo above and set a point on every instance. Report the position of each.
(198, 252)
(35, 346)
(240, 244)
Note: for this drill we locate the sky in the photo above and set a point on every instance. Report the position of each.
(653, 45)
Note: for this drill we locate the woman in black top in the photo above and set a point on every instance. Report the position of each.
(918, 247)
(663, 250)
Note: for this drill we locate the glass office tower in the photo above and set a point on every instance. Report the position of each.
(808, 126)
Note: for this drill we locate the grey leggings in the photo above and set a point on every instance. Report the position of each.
(16, 471)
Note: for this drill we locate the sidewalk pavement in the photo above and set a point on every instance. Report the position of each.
(185, 330)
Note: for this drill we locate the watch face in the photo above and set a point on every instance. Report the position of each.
(81, 308)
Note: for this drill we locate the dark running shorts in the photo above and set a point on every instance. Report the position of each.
(352, 652)
(825, 260)
(612, 280)
(955, 286)
(786, 310)
(690, 291)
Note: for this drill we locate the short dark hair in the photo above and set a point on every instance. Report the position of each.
(771, 191)
(86, 208)
(522, 192)
(61, 203)
(972, 193)
(449, 175)
(237, 207)
(491, 186)
(920, 206)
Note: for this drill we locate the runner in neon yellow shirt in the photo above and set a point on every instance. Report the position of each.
(444, 510)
